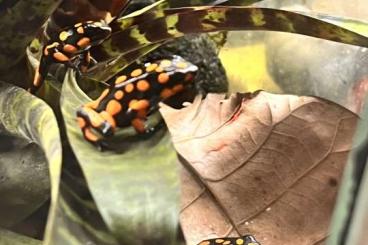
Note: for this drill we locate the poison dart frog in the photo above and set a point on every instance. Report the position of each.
(132, 97)
(244, 240)
(70, 47)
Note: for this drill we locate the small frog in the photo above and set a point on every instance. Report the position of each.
(71, 47)
(130, 98)
(244, 240)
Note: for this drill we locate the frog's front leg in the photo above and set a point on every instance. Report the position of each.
(139, 109)
(244, 240)
(40, 74)
(95, 126)
(85, 60)
(51, 54)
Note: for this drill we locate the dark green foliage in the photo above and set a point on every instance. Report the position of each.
(17, 31)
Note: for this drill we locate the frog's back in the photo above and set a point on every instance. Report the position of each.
(143, 88)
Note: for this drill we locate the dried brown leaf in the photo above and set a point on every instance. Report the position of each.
(262, 164)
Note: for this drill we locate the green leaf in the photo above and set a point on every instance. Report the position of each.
(19, 23)
(163, 8)
(358, 26)
(73, 217)
(230, 19)
(136, 187)
(31, 119)
(148, 14)
(351, 213)
(11, 238)
(76, 218)
(24, 178)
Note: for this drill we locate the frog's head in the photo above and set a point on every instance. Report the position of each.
(178, 67)
(96, 31)
(183, 66)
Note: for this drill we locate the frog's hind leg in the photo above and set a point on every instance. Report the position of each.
(50, 56)
(143, 109)
(139, 122)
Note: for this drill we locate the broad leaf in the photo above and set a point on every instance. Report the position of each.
(163, 8)
(225, 18)
(10, 238)
(230, 18)
(261, 164)
(76, 219)
(136, 187)
(350, 215)
(28, 117)
(21, 164)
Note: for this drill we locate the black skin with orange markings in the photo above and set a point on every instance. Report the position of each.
(169, 77)
(71, 48)
(244, 240)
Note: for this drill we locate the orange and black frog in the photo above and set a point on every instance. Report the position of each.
(130, 98)
(244, 240)
(70, 47)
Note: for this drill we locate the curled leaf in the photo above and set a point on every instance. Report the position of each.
(76, 217)
(11, 238)
(24, 178)
(350, 215)
(229, 18)
(137, 194)
(31, 119)
(163, 8)
(261, 164)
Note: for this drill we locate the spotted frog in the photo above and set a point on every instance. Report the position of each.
(71, 47)
(131, 97)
